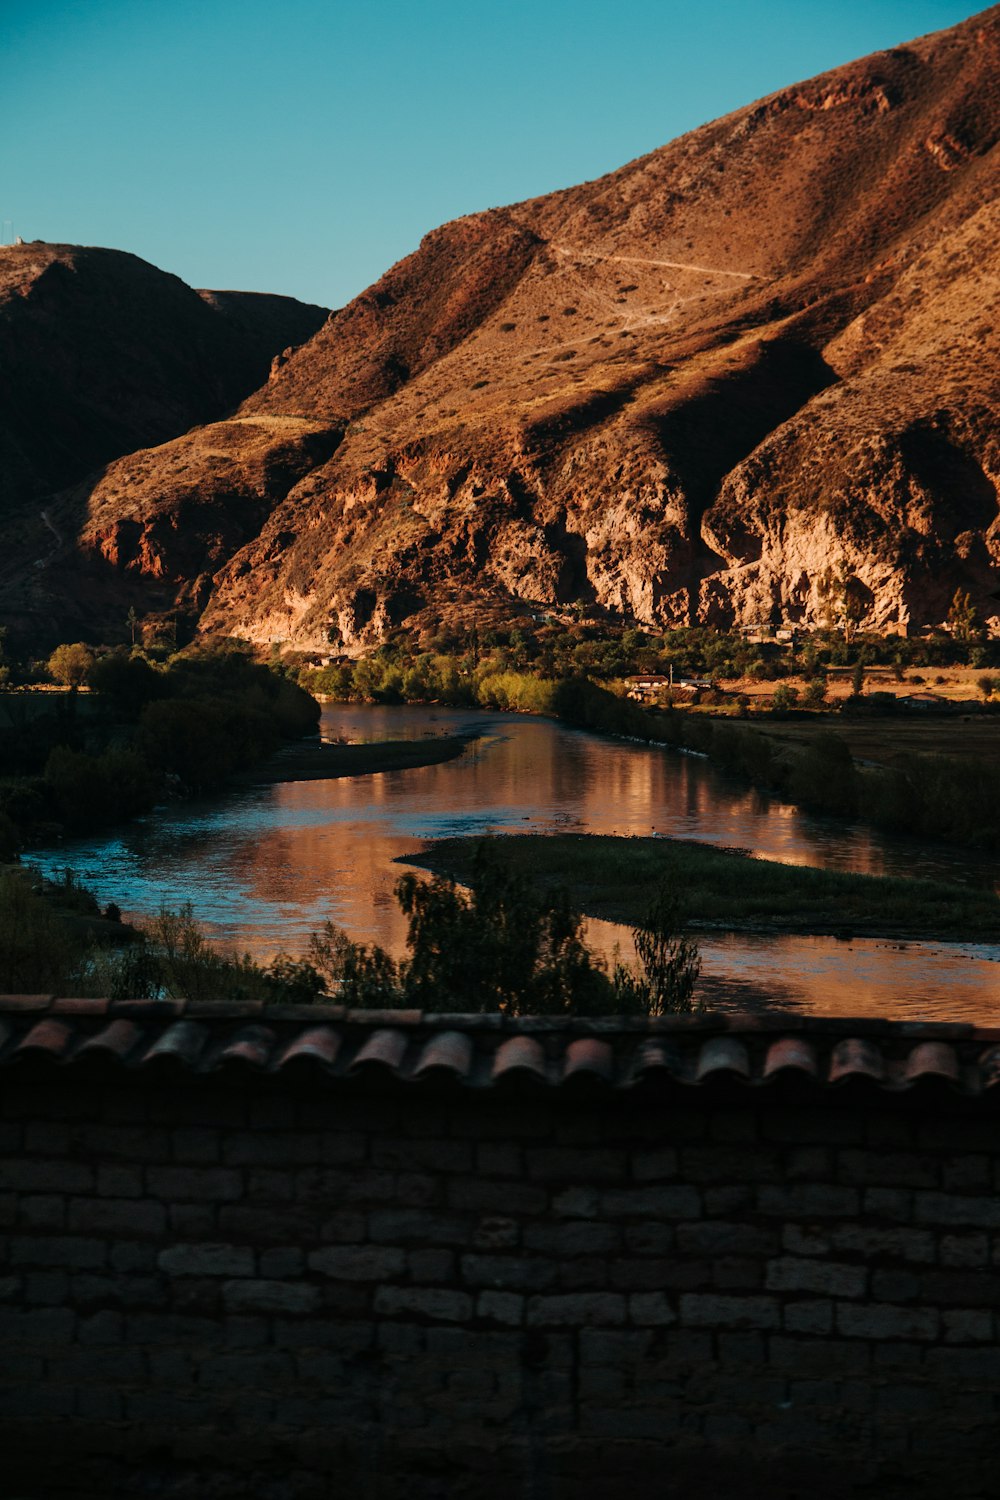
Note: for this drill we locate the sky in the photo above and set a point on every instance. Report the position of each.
(304, 146)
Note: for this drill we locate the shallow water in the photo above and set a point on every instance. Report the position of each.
(263, 868)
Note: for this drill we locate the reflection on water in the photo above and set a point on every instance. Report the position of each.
(264, 868)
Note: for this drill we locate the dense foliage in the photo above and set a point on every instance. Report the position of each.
(71, 763)
(503, 944)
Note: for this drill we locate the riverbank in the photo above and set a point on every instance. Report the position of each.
(325, 762)
(726, 889)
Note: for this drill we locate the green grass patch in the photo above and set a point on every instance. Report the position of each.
(616, 878)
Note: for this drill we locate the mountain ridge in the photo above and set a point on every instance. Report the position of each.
(681, 393)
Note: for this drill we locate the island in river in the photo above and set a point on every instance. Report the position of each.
(726, 889)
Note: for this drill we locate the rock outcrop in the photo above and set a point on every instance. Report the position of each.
(682, 392)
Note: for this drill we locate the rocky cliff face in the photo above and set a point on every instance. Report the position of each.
(681, 392)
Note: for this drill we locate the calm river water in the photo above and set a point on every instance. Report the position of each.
(263, 868)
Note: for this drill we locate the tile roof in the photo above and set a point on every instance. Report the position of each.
(171, 1037)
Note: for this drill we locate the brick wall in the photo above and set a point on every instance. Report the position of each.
(292, 1289)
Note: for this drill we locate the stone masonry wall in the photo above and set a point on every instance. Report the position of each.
(293, 1292)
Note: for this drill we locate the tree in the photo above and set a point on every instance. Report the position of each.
(963, 619)
(844, 598)
(70, 665)
(670, 962)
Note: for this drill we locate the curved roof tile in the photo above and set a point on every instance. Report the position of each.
(481, 1052)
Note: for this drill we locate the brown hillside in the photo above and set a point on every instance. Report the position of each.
(681, 391)
(101, 353)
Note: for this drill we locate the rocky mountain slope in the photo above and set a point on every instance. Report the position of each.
(681, 392)
(101, 353)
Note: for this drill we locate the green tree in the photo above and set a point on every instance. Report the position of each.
(670, 962)
(963, 618)
(70, 664)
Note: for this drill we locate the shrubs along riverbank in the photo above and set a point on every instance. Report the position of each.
(188, 726)
(502, 944)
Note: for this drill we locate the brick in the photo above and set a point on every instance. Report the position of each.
(422, 1226)
(574, 1238)
(566, 1164)
(733, 1273)
(346, 1227)
(652, 1203)
(126, 1142)
(723, 1202)
(263, 1370)
(809, 1163)
(497, 1197)
(428, 1302)
(650, 1308)
(915, 1245)
(883, 1321)
(961, 1174)
(418, 1190)
(30, 1175)
(195, 1144)
(280, 1263)
(119, 1180)
(131, 1216)
(501, 1307)
(655, 1165)
(967, 1325)
(58, 1250)
(824, 1357)
(718, 1238)
(974, 1288)
(809, 1316)
(46, 1288)
(207, 1260)
(193, 1221)
(496, 1160)
(284, 1148)
(809, 1200)
(950, 1208)
(649, 1238)
(729, 1164)
(105, 1327)
(125, 1291)
(509, 1272)
(889, 1203)
(964, 1364)
(270, 1296)
(431, 1265)
(37, 1328)
(129, 1255)
(195, 1184)
(10, 1288)
(711, 1311)
(496, 1233)
(600, 1347)
(577, 1309)
(889, 1168)
(41, 1211)
(822, 1126)
(414, 1156)
(358, 1262)
(834, 1279)
(965, 1250)
(577, 1203)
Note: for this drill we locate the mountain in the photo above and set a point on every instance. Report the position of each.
(682, 392)
(101, 353)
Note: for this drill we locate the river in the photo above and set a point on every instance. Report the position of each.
(265, 867)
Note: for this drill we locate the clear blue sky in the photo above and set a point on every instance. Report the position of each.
(302, 146)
